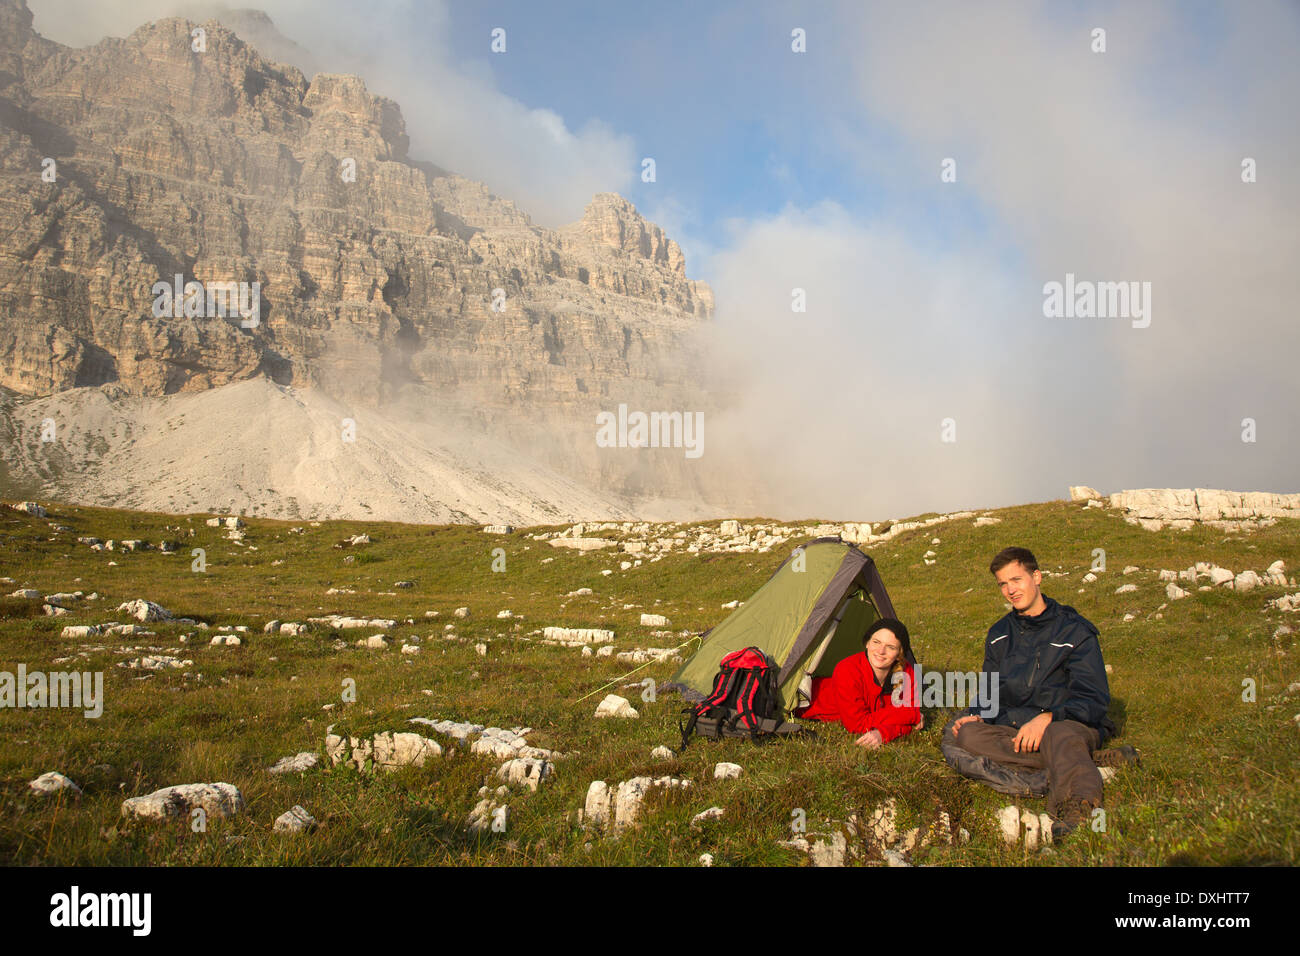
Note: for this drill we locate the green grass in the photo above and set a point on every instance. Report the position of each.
(1217, 784)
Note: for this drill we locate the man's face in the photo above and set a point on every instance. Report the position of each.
(1019, 587)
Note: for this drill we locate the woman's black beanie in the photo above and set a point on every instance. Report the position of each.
(900, 631)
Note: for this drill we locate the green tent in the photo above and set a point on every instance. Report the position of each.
(810, 615)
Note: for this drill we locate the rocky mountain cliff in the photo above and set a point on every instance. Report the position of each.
(136, 160)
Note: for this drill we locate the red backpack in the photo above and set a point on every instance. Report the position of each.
(745, 701)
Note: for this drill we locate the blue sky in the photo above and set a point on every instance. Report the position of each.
(738, 124)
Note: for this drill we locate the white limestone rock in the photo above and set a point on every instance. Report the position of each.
(1220, 576)
(1174, 592)
(296, 820)
(1287, 602)
(215, 799)
(1009, 824)
(654, 620)
(80, 631)
(576, 636)
(1246, 581)
(627, 801)
(705, 816)
(51, 783)
(145, 611)
(156, 662)
(883, 826)
(829, 853)
(596, 808)
(298, 763)
(393, 750)
(1029, 821)
(582, 544)
(344, 623)
(615, 706)
(488, 815)
(1126, 589)
(527, 771)
(727, 771)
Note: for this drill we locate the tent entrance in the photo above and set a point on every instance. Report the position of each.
(844, 633)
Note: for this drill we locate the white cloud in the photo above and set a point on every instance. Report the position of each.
(1095, 164)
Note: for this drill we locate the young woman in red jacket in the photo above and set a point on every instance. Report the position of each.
(860, 693)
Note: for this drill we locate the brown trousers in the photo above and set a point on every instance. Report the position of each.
(1065, 751)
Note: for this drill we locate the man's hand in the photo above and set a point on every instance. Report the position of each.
(871, 740)
(964, 720)
(1031, 734)
(920, 722)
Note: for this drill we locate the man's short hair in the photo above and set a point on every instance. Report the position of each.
(1008, 555)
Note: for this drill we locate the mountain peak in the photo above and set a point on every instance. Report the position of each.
(612, 220)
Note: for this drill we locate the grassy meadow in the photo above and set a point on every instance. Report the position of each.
(1217, 785)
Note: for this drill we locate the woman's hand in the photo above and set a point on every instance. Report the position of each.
(871, 740)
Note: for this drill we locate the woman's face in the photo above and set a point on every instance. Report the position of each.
(883, 648)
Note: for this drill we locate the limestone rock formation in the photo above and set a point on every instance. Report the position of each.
(132, 162)
(1154, 508)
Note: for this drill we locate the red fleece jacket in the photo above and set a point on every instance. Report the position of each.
(852, 696)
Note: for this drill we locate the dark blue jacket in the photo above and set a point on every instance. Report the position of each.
(1051, 662)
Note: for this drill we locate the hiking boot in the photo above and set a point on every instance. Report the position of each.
(1116, 757)
(1071, 815)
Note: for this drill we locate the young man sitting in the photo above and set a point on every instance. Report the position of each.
(1052, 695)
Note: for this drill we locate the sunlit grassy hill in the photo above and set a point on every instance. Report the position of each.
(1217, 783)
